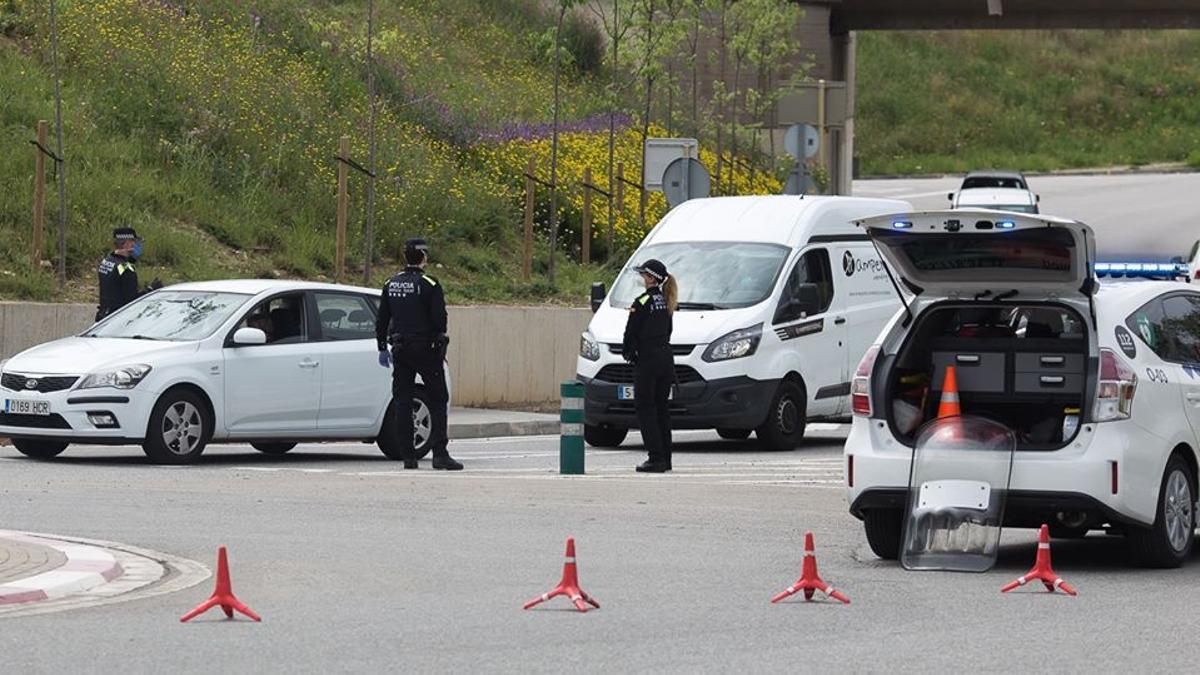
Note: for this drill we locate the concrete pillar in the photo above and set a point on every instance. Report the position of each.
(844, 68)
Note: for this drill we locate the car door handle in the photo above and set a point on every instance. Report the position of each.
(1193, 398)
(837, 321)
(309, 363)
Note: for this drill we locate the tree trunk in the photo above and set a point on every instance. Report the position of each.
(562, 12)
(721, 99)
(612, 124)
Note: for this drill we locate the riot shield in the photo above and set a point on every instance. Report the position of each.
(957, 487)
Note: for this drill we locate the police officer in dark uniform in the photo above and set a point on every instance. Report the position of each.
(118, 278)
(647, 346)
(412, 316)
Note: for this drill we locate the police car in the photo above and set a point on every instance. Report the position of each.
(270, 363)
(1101, 384)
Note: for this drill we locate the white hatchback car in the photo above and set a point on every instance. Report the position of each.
(1101, 385)
(269, 363)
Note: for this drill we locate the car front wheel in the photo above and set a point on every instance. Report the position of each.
(179, 428)
(784, 426)
(1169, 541)
(604, 436)
(39, 449)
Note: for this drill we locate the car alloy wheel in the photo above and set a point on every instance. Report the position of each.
(422, 425)
(182, 428)
(1178, 510)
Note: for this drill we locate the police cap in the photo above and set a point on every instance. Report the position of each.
(653, 268)
(125, 234)
(416, 244)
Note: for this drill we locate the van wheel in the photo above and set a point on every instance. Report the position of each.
(273, 448)
(1169, 541)
(604, 436)
(784, 427)
(388, 441)
(39, 449)
(734, 434)
(884, 528)
(179, 428)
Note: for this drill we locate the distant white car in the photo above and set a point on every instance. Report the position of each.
(1100, 383)
(269, 363)
(1017, 200)
(1193, 262)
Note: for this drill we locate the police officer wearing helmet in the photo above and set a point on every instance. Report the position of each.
(118, 278)
(647, 346)
(412, 316)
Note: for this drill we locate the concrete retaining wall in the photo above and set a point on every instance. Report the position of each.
(499, 356)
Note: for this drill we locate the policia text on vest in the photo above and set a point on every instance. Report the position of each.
(412, 317)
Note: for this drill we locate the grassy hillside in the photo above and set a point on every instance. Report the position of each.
(952, 101)
(210, 126)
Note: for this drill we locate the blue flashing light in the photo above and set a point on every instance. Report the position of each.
(1005, 224)
(901, 225)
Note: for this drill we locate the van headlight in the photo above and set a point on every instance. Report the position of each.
(125, 377)
(588, 347)
(735, 345)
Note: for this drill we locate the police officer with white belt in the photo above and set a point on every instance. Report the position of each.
(412, 316)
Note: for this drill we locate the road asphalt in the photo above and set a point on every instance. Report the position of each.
(358, 566)
(1144, 216)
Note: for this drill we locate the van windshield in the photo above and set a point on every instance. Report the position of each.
(710, 274)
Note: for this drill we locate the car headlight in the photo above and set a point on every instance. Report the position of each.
(735, 345)
(588, 347)
(125, 377)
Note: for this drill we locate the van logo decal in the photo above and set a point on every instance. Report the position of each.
(1126, 343)
(850, 264)
(796, 330)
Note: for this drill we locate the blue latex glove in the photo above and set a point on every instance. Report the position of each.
(385, 358)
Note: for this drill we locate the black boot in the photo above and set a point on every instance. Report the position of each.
(410, 464)
(654, 466)
(445, 462)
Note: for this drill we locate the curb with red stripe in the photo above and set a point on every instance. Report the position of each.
(86, 568)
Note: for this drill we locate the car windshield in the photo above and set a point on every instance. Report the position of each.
(710, 274)
(972, 182)
(170, 315)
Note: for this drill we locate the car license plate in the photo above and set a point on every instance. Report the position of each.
(625, 393)
(18, 406)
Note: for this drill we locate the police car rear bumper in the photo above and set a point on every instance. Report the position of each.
(728, 403)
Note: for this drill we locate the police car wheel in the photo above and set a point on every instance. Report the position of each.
(734, 434)
(422, 428)
(273, 448)
(884, 527)
(179, 428)
(39, 449)
(784, 426)
(1168, 543)
(604, 436)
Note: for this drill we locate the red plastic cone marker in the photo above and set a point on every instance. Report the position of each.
(569, 586)
(1042, 571)
(223, 596)
(949, 405)
(810, 581)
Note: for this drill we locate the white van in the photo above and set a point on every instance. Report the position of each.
(779, 297)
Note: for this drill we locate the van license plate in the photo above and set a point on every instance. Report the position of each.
(18, 406)
(625, 392)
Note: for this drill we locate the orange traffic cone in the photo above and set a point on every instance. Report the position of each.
(949, 405)
(223, 595)
(810, 580)
(1042, 571)
(569, 586)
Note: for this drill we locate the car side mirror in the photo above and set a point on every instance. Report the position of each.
(598, 293)
(249, 336)
(1038, 198)
(950, 196)
(805, 301)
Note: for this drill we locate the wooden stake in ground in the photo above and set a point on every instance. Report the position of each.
(39, 195)
(530, 186)
(339, 263)
(586, 247)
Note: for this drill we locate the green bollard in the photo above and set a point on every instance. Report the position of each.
(570, 445)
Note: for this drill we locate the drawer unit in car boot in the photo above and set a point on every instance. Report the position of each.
(980, 372)
(1049, 383)
(1036, 362)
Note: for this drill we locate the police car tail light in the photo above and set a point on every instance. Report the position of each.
(1118, 384)
(860, 387)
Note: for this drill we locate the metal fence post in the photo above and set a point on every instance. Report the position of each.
(570, 447)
